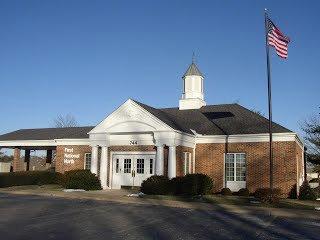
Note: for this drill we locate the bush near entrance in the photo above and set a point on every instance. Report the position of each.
(191, 184)
(226, 192)
(156, 185)
(244, 192)
(81, 179)
(29, 178)
(75, 179)
(266, 195)
(196, 184)
(306, 192)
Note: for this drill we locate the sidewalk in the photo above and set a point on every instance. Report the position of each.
(121, 196)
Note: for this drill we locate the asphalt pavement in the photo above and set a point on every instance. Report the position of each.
(44, 217)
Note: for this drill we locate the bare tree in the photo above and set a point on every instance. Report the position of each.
(67, 120)
(311, 128)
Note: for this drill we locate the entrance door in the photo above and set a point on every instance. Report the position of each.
(131, 169)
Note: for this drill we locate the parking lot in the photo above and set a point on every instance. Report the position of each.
(40, 217)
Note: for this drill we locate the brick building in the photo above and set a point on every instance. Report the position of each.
(227, 142)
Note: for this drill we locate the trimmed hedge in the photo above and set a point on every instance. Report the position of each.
(306, 192)
(176, 185)
(243, 192)
(29, 178)
(156, 185)
(196, 184)
(267, 195)
(191, 184)
(81, 179)
(226, 192)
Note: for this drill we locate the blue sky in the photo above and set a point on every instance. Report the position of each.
(85, 58)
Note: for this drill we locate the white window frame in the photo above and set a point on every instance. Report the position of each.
(187, 161)
(235, 166)
(235, 185)
(85, 161)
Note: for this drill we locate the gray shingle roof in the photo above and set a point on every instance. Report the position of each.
(47, 133)
(224, 119)
(193, 70)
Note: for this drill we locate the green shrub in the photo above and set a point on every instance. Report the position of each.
(243, 192)
(293, 192)
(226, 192)
(317, 191)
(176, 185)
(267, 195)
(81, 179)
(196, 184)
(29, 178)
(306, 193)
(191, 184)
(156, 185)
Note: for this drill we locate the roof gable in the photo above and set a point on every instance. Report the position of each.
(130, 117)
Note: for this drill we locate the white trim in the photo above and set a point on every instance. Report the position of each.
(264, 137)
(128, 104)
(27, 143)
(125, 153)
(47, 143)
(194, 160)
(72, 141)
(187, 155)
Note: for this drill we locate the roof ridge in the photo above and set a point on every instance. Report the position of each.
(54, 128)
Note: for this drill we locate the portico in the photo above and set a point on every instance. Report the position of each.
(132, 128)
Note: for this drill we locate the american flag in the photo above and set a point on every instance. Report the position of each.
(277, 39)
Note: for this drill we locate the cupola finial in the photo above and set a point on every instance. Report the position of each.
(193, 57)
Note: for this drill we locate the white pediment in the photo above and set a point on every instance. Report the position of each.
(130, 117)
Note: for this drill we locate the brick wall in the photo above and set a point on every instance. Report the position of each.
(62, 166)
(210, 160)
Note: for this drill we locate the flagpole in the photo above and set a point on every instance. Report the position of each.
(269, 101)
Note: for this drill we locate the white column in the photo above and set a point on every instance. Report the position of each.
(159, 161)
(172, 162)
(94, 160)
(104, 166)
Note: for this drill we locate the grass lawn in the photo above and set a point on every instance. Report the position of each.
(48, 187)
(241, 201)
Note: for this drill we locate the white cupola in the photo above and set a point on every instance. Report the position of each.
(192, 96)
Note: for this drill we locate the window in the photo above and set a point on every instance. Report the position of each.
(140, 165)
(241, 167)
(230, 167)
(87, 161)
(187, 162)
(151, 166)
(235, 167)
(127, 165)
(117, 165)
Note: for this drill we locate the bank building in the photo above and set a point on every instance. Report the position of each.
(228, 142)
